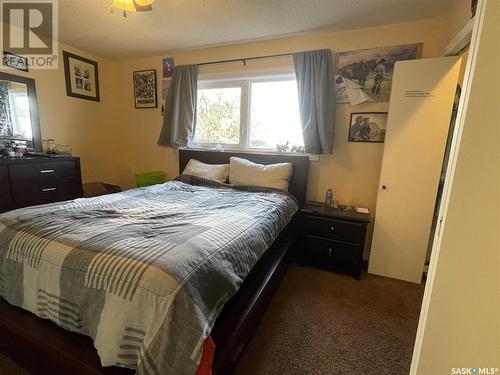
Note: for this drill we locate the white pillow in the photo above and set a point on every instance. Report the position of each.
(215, 172)
(245, 172)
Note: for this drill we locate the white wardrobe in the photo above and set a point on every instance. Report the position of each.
(420, 110)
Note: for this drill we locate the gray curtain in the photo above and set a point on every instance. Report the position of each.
(315, 82)
(179, 117)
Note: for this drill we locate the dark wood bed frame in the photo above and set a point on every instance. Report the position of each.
(42, 347)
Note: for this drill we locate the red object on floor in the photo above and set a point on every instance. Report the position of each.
(207, 358)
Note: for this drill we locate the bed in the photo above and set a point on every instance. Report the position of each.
(204, 231)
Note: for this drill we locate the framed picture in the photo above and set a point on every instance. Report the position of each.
(82, 77)
(145, 94)
(368, 127)
(12, 60)
(366, 74)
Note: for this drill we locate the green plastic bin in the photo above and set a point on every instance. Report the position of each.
(150, 178)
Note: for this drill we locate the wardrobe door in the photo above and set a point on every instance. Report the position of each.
(419, 117)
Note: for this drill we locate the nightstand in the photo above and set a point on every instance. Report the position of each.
(332, 238)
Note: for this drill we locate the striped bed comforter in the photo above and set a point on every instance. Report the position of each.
(144, 273)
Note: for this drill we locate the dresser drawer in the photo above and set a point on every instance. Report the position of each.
(339, 230)
(39, 171)
(328, 253)
(45, 191)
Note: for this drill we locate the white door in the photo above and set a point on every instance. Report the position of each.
(419, 117)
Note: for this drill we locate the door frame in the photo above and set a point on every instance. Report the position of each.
(450, 173)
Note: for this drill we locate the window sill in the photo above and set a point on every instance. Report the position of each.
(312, 157)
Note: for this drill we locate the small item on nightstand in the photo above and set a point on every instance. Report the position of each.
(329, 198)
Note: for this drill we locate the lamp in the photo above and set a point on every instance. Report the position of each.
(132, 6)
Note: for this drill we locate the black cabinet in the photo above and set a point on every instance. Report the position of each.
(333, 238)
(33, 181)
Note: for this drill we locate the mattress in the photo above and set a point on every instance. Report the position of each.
(145, 272)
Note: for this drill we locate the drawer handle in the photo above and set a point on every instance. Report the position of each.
(47, 171)
(49, 189)
(330, 252)
(332, 228)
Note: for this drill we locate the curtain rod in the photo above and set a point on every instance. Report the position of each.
(245, 59)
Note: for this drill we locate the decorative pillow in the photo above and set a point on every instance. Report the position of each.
(215, 172)
(245, 172)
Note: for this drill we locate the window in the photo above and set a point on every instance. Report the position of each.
(218, 117)
(252, 113)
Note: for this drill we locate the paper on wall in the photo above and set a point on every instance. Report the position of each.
(348, 91)
(356, 93)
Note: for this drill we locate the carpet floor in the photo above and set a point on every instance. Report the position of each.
(9, 367)
(325, 323)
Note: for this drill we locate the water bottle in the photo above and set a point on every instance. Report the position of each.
(329, 198)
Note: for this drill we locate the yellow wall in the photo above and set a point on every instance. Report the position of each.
(352, 171)
(462, 325)
(458, 14)
(85, 125)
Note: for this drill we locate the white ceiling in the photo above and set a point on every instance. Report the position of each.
(182, 24)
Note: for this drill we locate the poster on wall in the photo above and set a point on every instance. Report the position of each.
(82, 77)
(145, 95)
(366, 74)
(368, 127)
(168, 66)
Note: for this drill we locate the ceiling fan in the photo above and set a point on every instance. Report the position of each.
(132, 6)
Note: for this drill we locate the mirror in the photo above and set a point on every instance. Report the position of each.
(15, 119)
(19, 111)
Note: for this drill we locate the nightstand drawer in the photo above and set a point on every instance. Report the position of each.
(339, 230)
(330, 253)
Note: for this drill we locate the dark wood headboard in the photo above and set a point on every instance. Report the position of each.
(298, 181)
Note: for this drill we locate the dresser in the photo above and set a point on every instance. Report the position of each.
(332, 238)
(33, 181)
